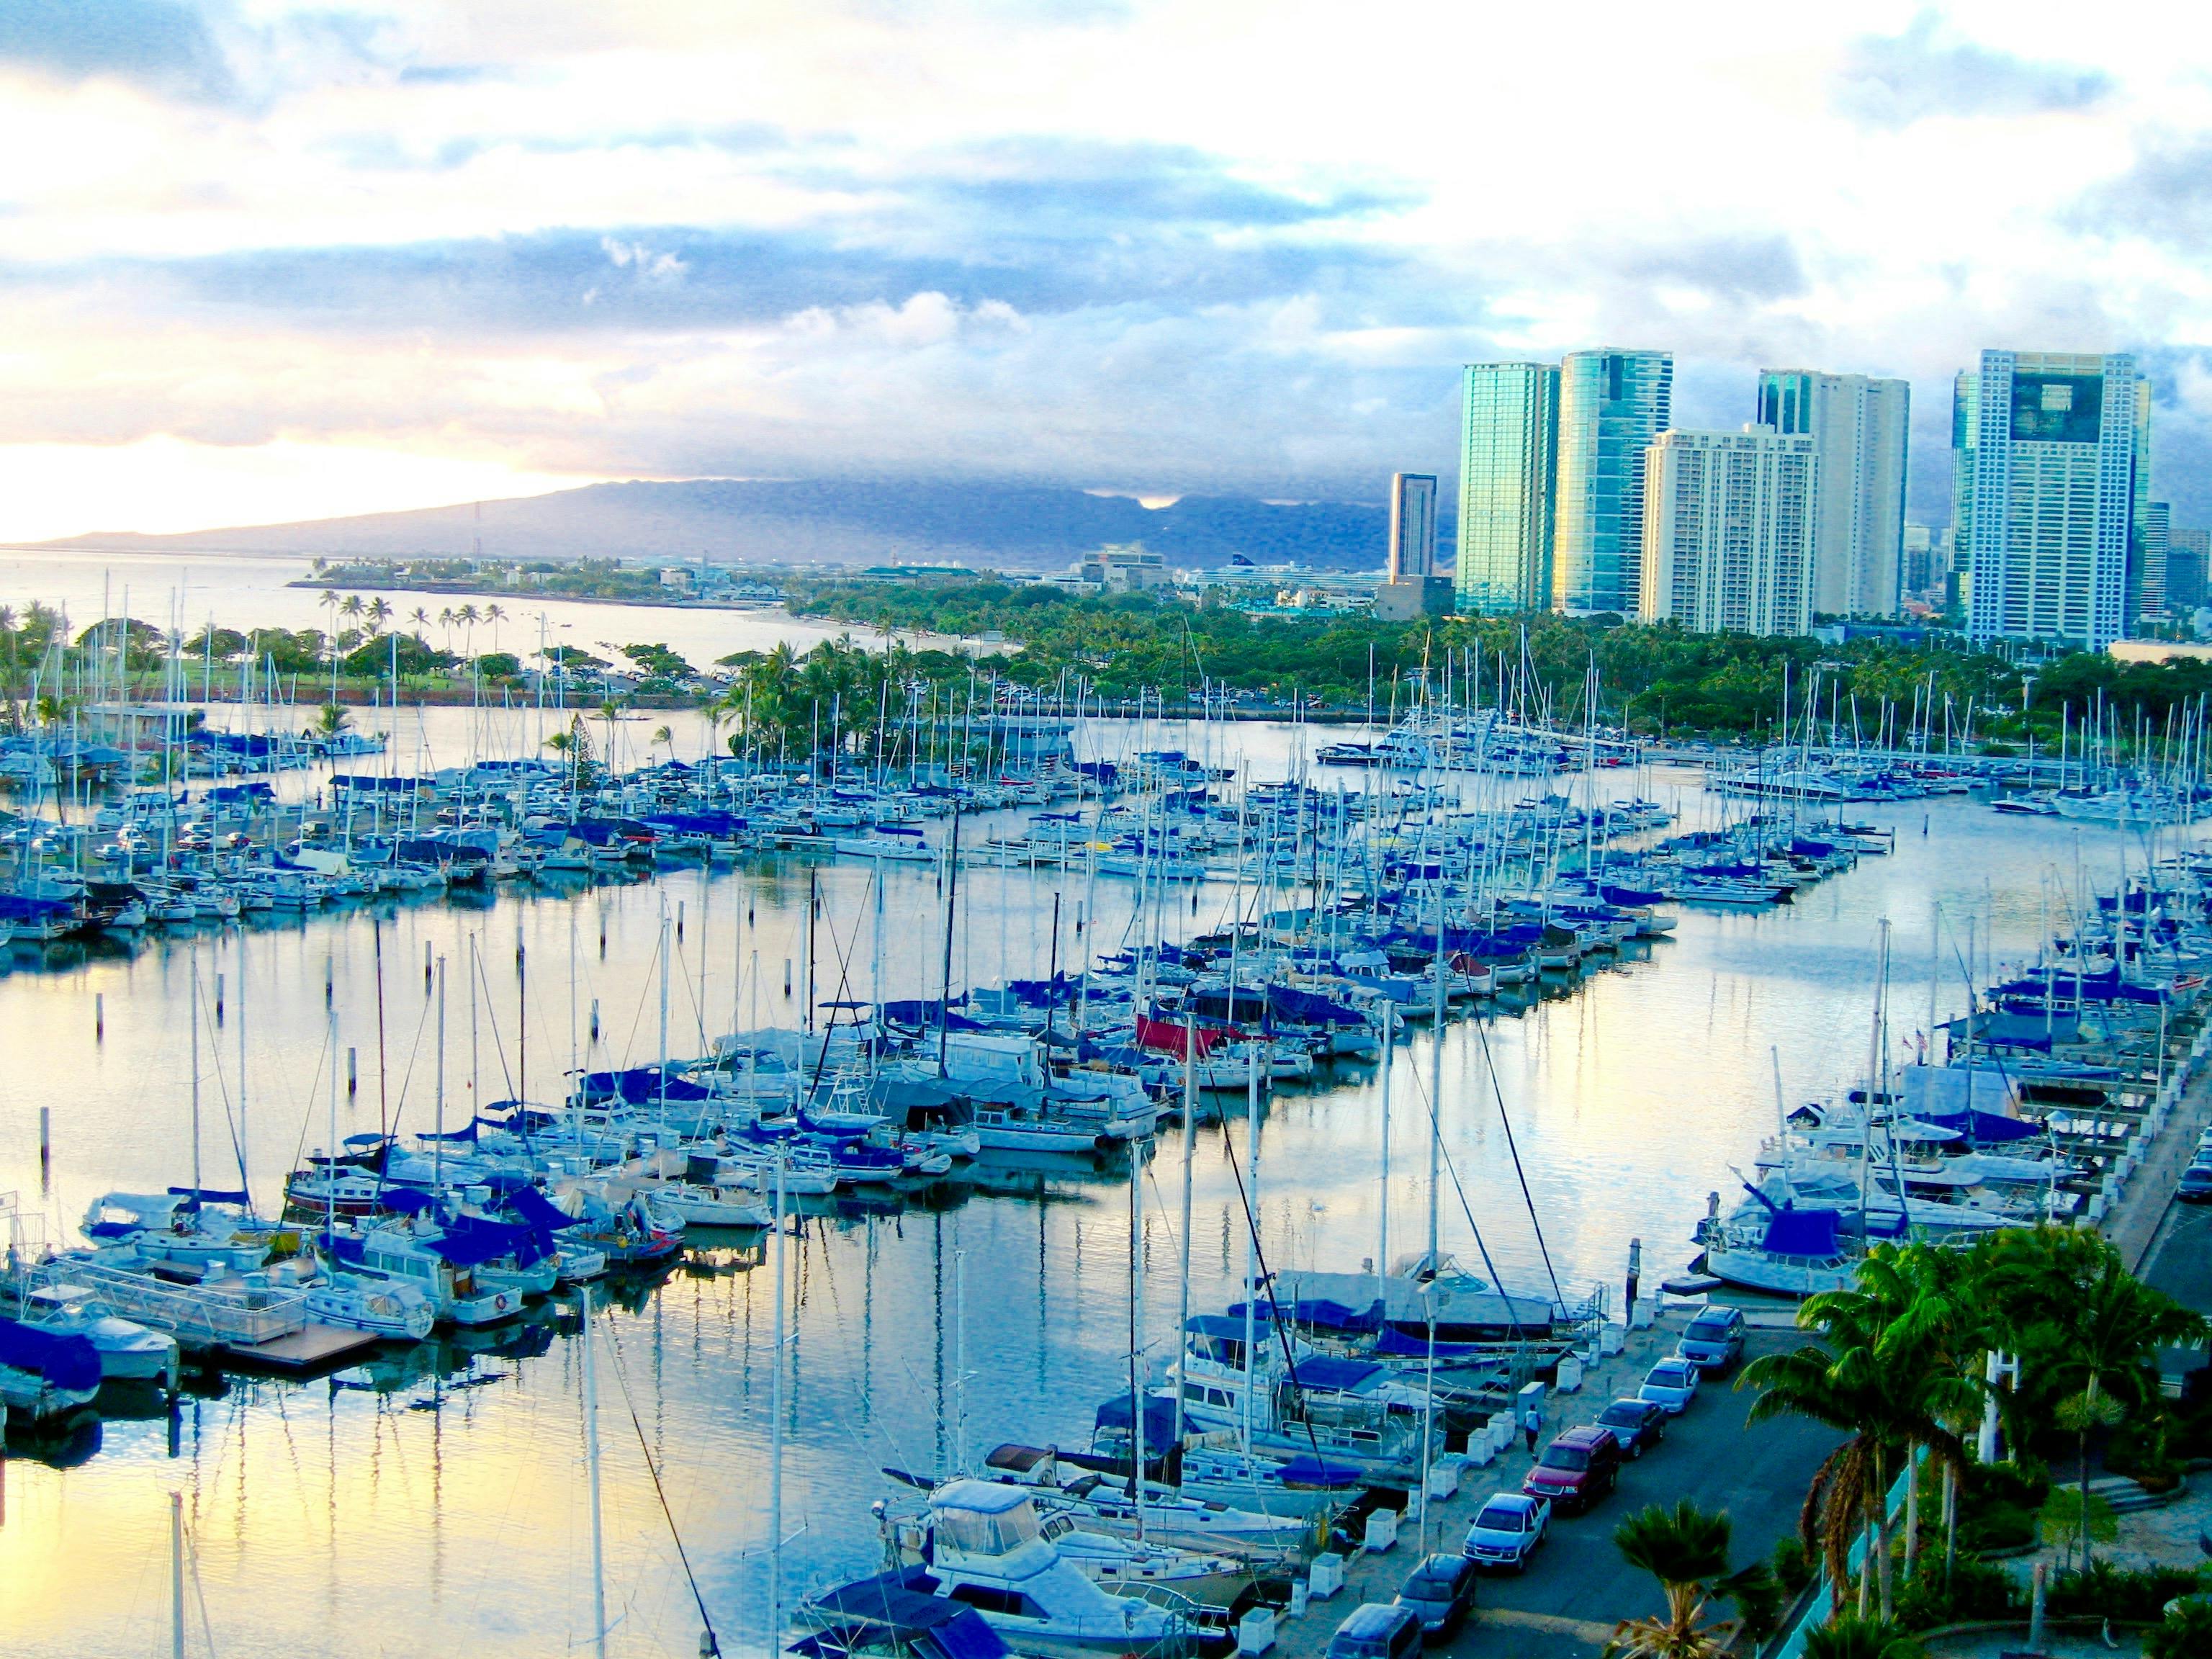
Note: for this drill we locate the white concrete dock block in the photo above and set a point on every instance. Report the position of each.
(1612, 1339)
(1501, 1431)
(1327, 1576)
(1256, 1630)
(1381, 1531)
(2098, 1204)
(1299, 1598)
(1444, 1477)
(1570, 1374)
(1643, 1316)
(1481, 1451)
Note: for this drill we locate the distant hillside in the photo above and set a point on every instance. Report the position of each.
(1014, 526)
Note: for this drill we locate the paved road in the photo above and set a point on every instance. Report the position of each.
(1568, 1601)
(2180, 1259)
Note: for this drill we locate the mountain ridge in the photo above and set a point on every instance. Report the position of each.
(815, 521)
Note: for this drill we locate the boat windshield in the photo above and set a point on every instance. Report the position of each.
(973, 1532)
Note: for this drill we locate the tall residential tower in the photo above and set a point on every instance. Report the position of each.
(1613, 405)
(1413, 526)
(1731, 530)
(1860, 425)
(1509, 436)
(2050, 455)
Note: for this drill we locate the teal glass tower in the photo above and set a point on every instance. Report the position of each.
(1613, 405)
(1509, 439)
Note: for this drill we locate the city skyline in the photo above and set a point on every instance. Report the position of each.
(274, 262)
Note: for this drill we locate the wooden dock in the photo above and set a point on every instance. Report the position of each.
(312, 1348)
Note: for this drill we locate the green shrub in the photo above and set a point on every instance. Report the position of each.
(1978, 1590)
(2024, 1485)
(1997, 1526)
(2184, 1633)
(1851, 1637)
(2106, 1591)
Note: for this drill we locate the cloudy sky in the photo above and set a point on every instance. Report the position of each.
(260, 261)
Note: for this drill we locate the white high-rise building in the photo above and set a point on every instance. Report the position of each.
(2050, 459)
(1730, 531)
(1413, 526)
(1862, 425)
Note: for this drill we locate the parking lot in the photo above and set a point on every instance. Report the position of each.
(1577, 1587)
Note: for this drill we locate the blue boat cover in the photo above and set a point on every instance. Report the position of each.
(641, 1085)
(469, 1241)
(1307, 1470)
(1405, 1344)
(1305, 1008)
(858, 1616)
(1327, 1372)
(407, 1201)
(211, 1195)
(68, 1363)
(538, 1211)
(1802, 1232)
(1320, 1313)
(1159, 1420)
(1991, 1126)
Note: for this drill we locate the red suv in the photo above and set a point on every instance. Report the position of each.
(1576, 1469)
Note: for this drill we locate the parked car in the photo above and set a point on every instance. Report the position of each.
(1509, 1528)
(2196, 1186)
(1377, 1630)
(1714, 1341)
(1671, 1383)
(1440, 1593)
(1576, 1469)
(1638, 1425)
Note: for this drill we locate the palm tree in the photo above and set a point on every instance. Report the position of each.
(421, 619)
(1686, 1549)
(333, 719)
(2070, 1298)
(467, 616)
(1860, 1638)
(1930, 1328)
(380, 612)
(1846, 1385)
(494, 615)
(351, 606)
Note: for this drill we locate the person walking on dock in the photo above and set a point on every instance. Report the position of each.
(1532, 1425)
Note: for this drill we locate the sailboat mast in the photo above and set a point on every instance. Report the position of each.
(196, 1069)
(1189, 1141)
(1136, 1341)
(1383, 1204)
(177, 1575)
(1251, 1232)
(592, 1466)
(775, 1433)
(437, 1146)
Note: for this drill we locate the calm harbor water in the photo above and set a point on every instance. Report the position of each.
(446, 1507)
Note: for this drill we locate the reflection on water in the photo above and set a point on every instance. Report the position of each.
(435, 1498)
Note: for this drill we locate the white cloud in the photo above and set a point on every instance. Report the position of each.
(822, 237)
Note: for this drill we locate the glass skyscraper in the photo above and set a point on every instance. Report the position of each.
(2049, 491)
(1613, 405)
(1508, 435)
